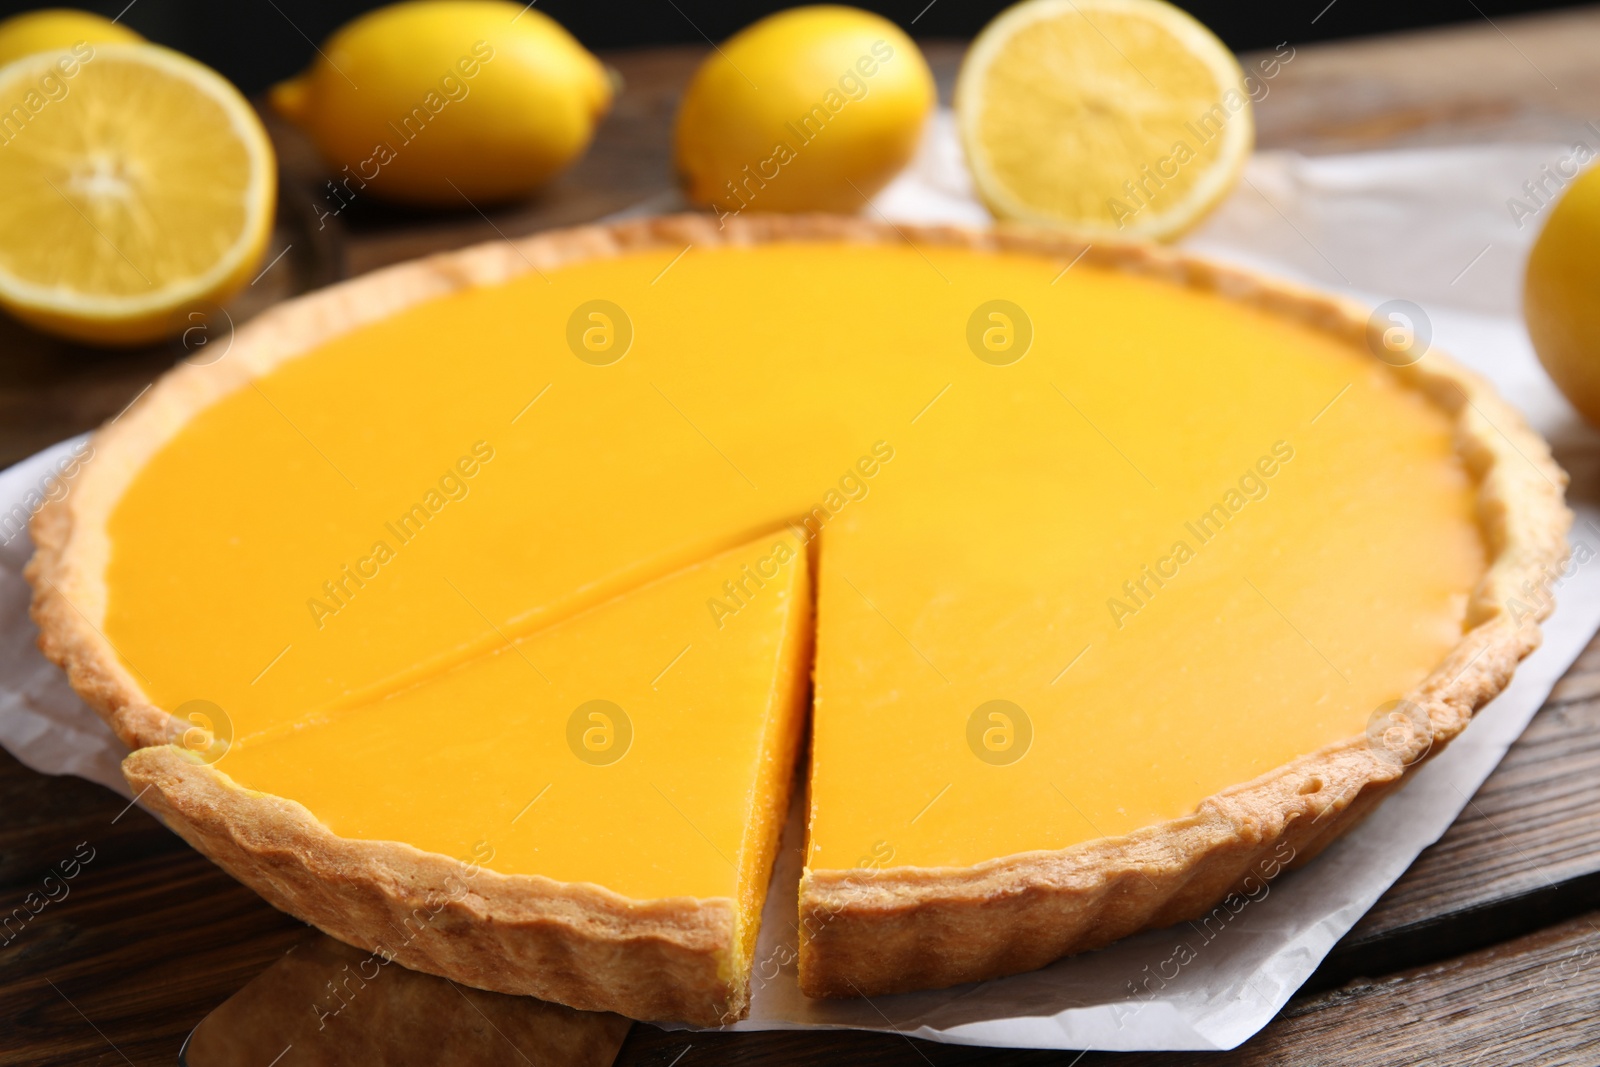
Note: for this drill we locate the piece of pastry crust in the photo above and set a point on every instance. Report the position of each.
(575, 944)
(862, 932)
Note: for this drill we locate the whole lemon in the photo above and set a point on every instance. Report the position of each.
(55, 29)
(811, 109)
(1561, 295)
(430, 101)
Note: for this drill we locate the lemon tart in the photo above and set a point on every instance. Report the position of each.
(465, 610)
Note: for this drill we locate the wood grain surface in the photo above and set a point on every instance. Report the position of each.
(1486, 951)
(1527, 1001)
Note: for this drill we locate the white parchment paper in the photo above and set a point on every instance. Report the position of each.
(1430, 226)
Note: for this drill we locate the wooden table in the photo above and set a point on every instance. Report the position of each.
(1486, 951)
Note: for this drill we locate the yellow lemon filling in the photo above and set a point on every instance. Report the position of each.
(1089, 548)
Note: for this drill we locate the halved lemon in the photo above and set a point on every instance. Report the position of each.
(135, 183)
(1103, 116)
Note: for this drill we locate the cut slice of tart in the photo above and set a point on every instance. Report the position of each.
(588, 813)
(1121, 555)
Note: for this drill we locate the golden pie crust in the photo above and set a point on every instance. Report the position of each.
(863, 932)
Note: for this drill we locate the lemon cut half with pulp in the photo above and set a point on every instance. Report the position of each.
(1104, 116)
(135, 183)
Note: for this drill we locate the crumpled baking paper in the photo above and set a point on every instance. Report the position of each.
(1431, 226)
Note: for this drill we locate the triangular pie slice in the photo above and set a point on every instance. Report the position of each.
(1139, 578)
(588, 813)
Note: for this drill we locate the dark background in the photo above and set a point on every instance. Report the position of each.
(257, 42)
